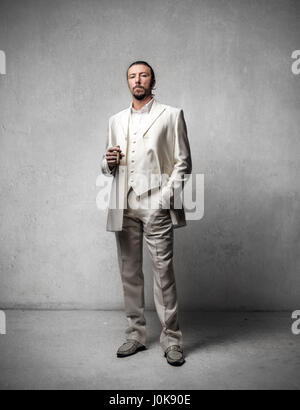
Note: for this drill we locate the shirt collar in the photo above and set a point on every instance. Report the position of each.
(145, 108)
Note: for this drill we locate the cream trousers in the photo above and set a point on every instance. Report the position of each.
(156, 226)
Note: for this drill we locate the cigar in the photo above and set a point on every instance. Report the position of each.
(118, 157)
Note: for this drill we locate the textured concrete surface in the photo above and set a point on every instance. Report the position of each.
(77, 350)
(228, 65)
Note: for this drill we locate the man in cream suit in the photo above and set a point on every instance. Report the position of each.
(148, 156)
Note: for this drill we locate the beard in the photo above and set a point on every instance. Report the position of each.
(140, 96)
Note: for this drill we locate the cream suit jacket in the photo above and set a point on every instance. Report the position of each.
(164, 160)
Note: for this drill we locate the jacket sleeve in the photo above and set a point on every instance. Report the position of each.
(104, 165)
(182, 161)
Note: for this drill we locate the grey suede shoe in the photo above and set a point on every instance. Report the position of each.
(130, 347)
(174, 355)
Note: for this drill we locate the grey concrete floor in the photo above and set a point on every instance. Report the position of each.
(77, 350)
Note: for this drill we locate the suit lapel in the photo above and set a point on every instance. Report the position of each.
(125, 122)
(156, 110)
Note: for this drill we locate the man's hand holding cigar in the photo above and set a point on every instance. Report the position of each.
(113, 156)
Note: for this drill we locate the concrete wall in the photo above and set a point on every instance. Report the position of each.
(228, 65)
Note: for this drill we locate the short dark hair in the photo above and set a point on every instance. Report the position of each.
(153, 80)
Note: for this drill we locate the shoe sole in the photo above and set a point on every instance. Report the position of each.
(130, 354)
